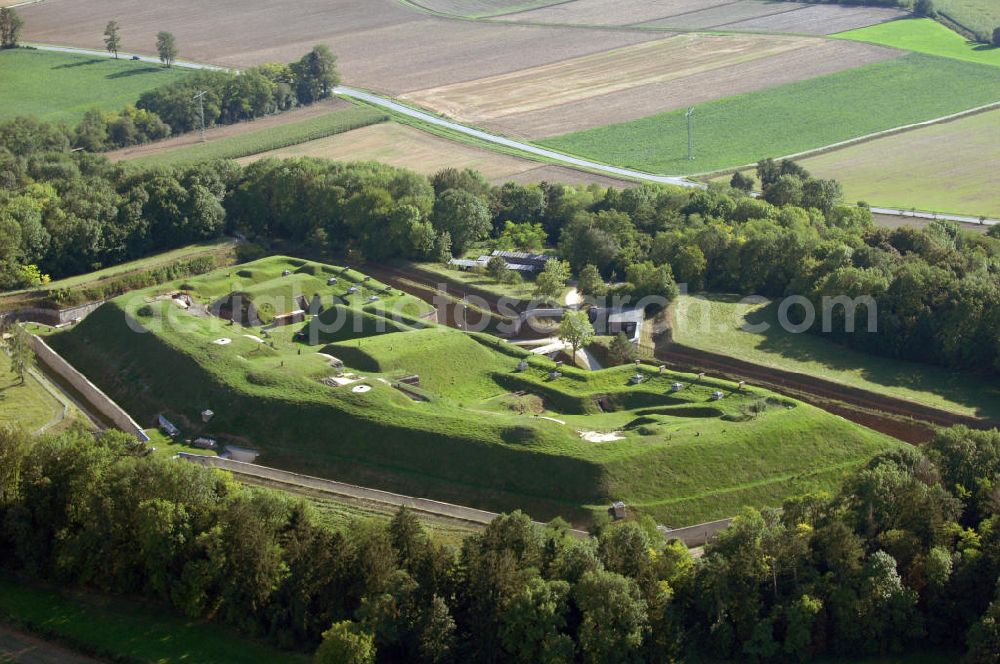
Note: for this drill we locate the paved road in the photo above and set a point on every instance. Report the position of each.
(384, 102)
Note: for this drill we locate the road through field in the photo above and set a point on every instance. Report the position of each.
(551, 155)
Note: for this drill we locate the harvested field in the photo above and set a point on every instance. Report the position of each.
(818, 20)
(950, 167)
(712, 14)
(610, 12)
(406, 147)
(637, 81)
(751, 15)
(381, 44)
(481, 8)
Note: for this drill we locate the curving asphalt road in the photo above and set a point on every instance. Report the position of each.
(562, 158)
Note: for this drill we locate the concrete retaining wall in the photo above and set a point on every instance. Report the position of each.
(697, 535)
(101, 402)
(49, 316)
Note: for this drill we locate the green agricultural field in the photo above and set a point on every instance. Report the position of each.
(789, 119)
(924, 35)
(127, 631)
(980, 16)
(61, 87)
(713, 323)
(907, 170)
(471, 432)
(245, 145)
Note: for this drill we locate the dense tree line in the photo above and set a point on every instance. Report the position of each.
(936, 289)
(906, 556)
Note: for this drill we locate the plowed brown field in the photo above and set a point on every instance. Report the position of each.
(641, 80)
(380, 44)
(750, 15)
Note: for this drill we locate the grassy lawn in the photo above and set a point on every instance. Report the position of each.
(251, 143)
(30, 405)
(907, 170)
(125, 630)
(60, 87)
(979, 15)
(714, 325)
(924, 35)
(474, 438)
(792, 118)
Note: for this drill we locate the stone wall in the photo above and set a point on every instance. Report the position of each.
(97, 399)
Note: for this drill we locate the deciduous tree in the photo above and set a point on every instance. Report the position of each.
(112, 38)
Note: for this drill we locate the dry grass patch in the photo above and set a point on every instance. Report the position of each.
(406, 147)
(638, 81)
(950, 167)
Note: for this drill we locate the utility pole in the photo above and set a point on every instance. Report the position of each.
(201, 112)
(690, 118)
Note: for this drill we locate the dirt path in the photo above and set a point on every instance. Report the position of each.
(21, 647)
(426, 505)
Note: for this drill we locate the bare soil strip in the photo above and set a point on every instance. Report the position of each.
(19, 646)
(642, 80)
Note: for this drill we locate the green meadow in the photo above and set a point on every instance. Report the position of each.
(61, 87)
(476, 431)
(793, 118)
(924, 35)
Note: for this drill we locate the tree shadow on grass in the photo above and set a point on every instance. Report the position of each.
(125, 73)
(81, 63)
(959, 387)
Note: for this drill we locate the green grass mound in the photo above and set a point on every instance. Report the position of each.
(448, 362)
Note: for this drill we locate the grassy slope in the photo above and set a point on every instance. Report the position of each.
(792, 118)
(979, 15)
(243, 145)
(908, 170)
(924, 35)
(61, 86)
(718, 331)
(689, 465)
(119, 628)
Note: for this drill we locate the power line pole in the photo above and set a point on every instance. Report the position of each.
(201, 112)
(690, 118)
